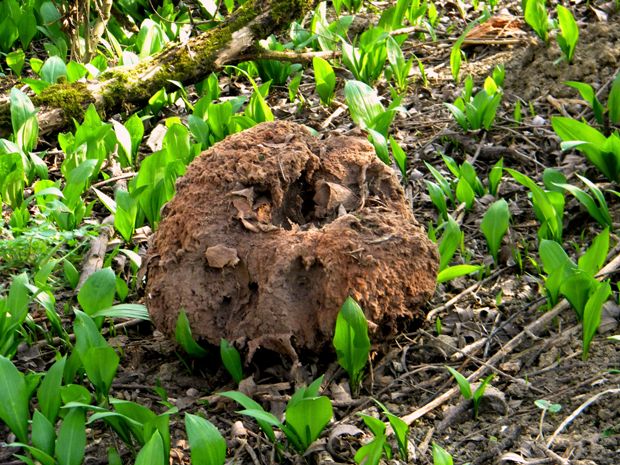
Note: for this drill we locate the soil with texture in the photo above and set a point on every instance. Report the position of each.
(272, 229)
(468, 321)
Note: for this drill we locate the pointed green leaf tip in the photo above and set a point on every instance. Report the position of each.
(351, 340)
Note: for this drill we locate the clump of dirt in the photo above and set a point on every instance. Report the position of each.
(270, 231)
(534, 73)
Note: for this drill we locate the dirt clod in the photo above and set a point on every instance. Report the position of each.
(270, 231)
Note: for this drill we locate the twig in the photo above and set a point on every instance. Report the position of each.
(481, 362)
(113, 179)
(578, 411)
(93, 260)
(459, 296)
(534, 327)
(555, 457)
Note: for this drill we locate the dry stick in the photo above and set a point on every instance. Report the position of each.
(93, 261)
(480, 361)
(578, 411)
(459, 296)
(531, 329)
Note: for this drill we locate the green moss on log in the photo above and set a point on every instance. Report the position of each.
(72, 99)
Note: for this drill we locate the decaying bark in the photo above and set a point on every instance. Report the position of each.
(123, 89)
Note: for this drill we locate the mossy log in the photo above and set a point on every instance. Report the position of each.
(124, 89)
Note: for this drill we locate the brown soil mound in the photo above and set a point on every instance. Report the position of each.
(270, 231)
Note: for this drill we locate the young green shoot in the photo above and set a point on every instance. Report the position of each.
(351, 341)
(494, 226)
(537, 18)
(545, 406)
(569, 33)
(465, 388)
(183, 335)
(603, 152)
(441, 456)
(207, 446)
(548, 207)
(231, 360)
(307, 414)
(594, 202)
(325, 79)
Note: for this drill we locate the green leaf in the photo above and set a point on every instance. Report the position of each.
(457, 271)
(15, 60)
(126, 214)
(98, 291)
(479, 392)
(308, 418)
(231, 360)
(553, 256)
(569, 32)
(370, 454)
(71, 440)
(451, 240)
(363, 102)
(14, 409)
(153, 452)
(438, 198)
(598, 149)
(594, 258)
(48, 393)
(599, 213)
(21, 108)
(100, 364)
(613, 101)
(548, 206)
(589, 95)
(537, 18)
(75, 71)
(592, 314)
(135, 127)
(114, 458)
(251, 404)
(462, 382)
(325, 79)
(87, 334)
(135, 311)
(261, 415)
(465, 193)
(207, 445)
(494, 226)
(184, 338)
(401, 431)
(399, 156)
(53, 69)
(455, 60)
(71, 273)
(441, 456)
(552, 177)
(43, 434)
(351, 340)
(577, 288)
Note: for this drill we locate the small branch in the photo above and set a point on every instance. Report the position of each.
(578, 411)
(530, 330)
(93, 261)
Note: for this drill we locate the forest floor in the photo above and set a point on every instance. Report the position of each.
(479, 318)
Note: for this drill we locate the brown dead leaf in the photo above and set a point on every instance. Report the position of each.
(496, 29)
